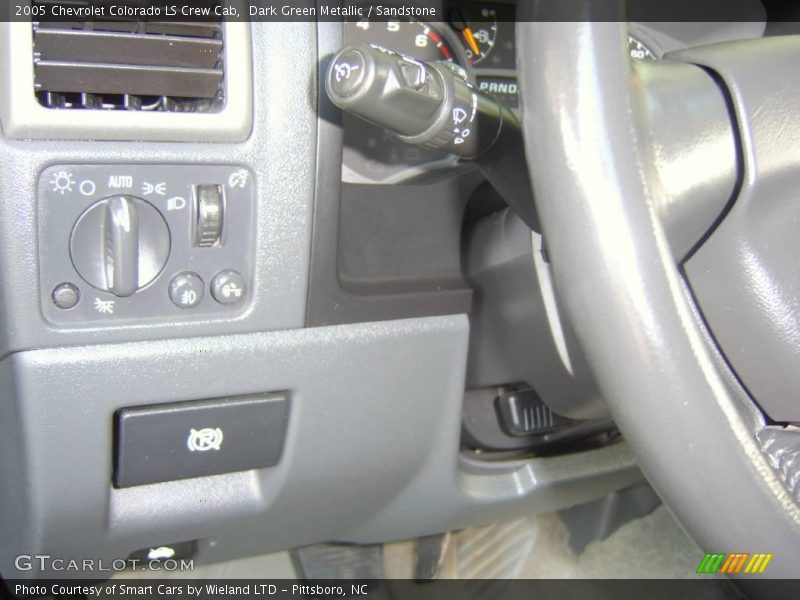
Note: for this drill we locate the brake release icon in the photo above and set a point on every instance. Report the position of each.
(203, 440)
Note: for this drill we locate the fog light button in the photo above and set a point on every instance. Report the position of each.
(186, 290)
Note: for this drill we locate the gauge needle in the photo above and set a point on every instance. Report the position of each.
(471, 41)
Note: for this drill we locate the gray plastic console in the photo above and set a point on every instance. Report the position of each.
(518, 333)
(383, 454)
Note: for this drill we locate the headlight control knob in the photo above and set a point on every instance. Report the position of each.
(120, 244)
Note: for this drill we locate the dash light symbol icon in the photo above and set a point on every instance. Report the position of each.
(158, 188)
(62, 182)
(344, 70)
(238, 178)
(176, 203)
(231, 290)
(104, 307)
(189, 298)
(203, 440)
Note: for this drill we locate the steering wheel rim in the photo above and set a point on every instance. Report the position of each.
(693, 430)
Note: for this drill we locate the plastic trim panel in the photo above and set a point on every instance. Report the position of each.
(280, 154)
(371, 454)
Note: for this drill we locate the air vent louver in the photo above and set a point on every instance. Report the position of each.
(129, 65)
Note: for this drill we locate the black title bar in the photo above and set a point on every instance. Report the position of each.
(384, 10)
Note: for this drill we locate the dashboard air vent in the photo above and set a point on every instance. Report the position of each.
(129, 65)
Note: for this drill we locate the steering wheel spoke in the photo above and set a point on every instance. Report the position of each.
(745, 276)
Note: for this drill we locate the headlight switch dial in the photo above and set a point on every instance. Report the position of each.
(120, 244)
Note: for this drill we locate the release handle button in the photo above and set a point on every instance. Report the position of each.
(165, 442)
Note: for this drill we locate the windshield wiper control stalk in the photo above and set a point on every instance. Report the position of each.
(433, 105)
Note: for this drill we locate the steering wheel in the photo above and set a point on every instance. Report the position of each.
(693, 349)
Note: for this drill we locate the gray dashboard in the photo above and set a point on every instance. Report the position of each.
(372, 356)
